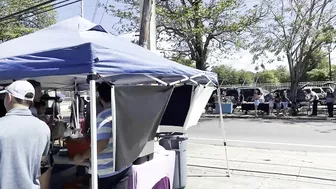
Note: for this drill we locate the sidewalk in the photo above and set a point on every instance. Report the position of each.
(243, 116)
(259, 168)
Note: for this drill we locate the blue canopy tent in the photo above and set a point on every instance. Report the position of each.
(77, 46)
(74, 51)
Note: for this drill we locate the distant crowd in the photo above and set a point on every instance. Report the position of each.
(278, 103)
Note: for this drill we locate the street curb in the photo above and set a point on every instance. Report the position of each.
(305, 118)
(257, 172)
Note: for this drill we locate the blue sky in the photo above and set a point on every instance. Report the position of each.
(89, 7)
(240, 60)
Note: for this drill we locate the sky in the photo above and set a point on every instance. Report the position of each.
(239, 60)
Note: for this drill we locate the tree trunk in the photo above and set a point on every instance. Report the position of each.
(200, 64)
(294, 89)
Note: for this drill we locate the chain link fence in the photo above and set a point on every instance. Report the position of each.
(273, 86)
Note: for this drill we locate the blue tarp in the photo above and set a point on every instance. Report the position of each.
(77, 46)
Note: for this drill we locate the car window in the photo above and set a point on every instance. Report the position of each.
(316, 90)
(325, 89)
(231, 92)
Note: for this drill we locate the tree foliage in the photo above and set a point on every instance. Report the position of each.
(294, 30)
(282, 74)
(230, 76)
(183, 60)
(193, 27)
(267, 76)
(23, 24)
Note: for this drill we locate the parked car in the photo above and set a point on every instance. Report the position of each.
(300, 95)
(248, 92)
(320, 93)
(325, 89)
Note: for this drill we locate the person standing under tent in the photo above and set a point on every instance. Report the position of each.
(99, 108)
(313, 97)
(330, 103)
(284, 102)
(47, 161)
(38, 94)
(107, 178)
(256, 101)
(24, 139)
(56, 107)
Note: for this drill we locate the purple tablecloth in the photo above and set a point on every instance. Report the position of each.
(151, 173)
(162, 184)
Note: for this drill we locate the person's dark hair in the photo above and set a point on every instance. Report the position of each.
(34, 83)
(25, 102)
(40, 104)
(3, 110)
(104, 91)
(308, 91)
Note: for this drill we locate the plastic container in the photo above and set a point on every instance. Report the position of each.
(227, 108)
(178, 143)
(77, 146)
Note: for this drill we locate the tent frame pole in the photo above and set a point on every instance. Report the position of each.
(221, 123)
(77, 126)
(114, 125)
(94, 162)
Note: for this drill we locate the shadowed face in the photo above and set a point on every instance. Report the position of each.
(38, 94)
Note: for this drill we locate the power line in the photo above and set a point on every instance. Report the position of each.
(102, 16)
(26, 10)
(95, 10)
(44, 11)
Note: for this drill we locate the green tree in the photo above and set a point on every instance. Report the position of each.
(245, 77)
(192, 26)
(183, 60)
(267, 76)
(282, 74)
(226, 74)
(22, 25)
(318, 75)
(297, 29)
(318, 66)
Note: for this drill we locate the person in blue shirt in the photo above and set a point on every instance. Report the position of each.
(107, 178)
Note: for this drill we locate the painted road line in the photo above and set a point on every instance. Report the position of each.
(260, 142)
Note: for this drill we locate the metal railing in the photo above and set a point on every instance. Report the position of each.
(272, 86)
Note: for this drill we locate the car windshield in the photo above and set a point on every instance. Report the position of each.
(325, 89)
(317, 90)
(231, 92)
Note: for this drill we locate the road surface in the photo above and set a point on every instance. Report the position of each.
(268, 134)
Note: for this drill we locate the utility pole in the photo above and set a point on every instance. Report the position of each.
(152, 28)
(82, 9)
(145, 21)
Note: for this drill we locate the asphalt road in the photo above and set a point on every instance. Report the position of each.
(268, 134)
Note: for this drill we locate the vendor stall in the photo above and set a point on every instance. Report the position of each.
(75, 54)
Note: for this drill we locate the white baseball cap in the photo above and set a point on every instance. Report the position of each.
(20, 89)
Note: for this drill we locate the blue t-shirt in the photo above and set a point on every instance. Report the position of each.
(104, 131)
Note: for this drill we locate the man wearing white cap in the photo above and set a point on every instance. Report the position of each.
(24, 139)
